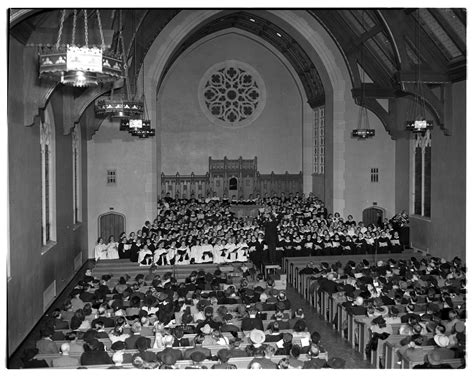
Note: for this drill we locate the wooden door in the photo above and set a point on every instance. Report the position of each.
(372, 215)
(111, 224)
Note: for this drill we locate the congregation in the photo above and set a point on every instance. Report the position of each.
(153, 321)
(413, 303)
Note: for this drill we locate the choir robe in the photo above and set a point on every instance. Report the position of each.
(145, 257)
(217, 254)
(124, 250)
(242, 252)
(171, 255)
(195, 254)
(395, 245)
(370, 242)
(100, 251)
(160, 256)
(207, 253)
(231, 253)
(307, 248)
(360, 246)
(383, 245)
(317, 248)
(182, 255)
(327, 247)
(347, 247)
(336, 247)
(134, 250)
(112, 250)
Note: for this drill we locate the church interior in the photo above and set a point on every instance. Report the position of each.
(236, 188)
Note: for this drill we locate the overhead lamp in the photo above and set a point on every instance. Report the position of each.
(363, 133)
(418, 124)
(122, 107)
(363, 130)
(80, 66)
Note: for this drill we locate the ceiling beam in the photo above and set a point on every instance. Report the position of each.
(412, 76)
(460, 44)
(369, 90)
(364, 37)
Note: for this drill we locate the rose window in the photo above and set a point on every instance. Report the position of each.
(232, 94)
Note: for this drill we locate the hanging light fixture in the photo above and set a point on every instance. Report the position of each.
(76, 65)
(139, 126)
(363, 130)
(417, 123)
(121, 107)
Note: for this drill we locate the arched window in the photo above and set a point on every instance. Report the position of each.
(233, 183)
(318, 140)
(48, 179)
(421, 176)
(77, 173)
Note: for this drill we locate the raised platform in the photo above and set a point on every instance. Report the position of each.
(120, 267)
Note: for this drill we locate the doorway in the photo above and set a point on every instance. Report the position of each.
(111, 224)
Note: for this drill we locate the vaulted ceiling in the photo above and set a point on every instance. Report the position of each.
(385, 49)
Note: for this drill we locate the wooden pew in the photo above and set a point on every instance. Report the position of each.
(240, 362)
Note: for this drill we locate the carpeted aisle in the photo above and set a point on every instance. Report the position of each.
(334, 344)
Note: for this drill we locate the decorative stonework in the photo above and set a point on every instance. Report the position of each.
(232, 94)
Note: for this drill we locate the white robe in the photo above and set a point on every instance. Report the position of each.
(112, 250)
(196, 253)
(242, 252)
(100, 251)
(205, 258)
(216, 252)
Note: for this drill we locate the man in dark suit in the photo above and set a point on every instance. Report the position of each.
(252, 322)
(197, 348)
(168, 343)
(130, 341)
(179, 340)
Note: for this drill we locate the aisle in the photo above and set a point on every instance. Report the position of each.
(333, 343)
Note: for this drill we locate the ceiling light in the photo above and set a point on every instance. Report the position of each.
(251, 19)
(279, 35)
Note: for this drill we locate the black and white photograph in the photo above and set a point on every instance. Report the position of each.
(236, 186)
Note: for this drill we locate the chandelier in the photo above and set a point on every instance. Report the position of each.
(417, 123)
(76, 65)
(122, 107)
(137, 124)
(363, 130)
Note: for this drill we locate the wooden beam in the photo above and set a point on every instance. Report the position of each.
(364, 37)
(370, 90)
(425, 77)
(460, 44)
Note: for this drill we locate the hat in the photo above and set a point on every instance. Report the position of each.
(197, 356)
(441, 340)
(206, 329)
(169, 358)
(186, 318)
(459, 327)
(257, 336)
(336, 363)
(435, 357)
(162, 296)
(282, 296)
(224, 354)
(118, 345)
